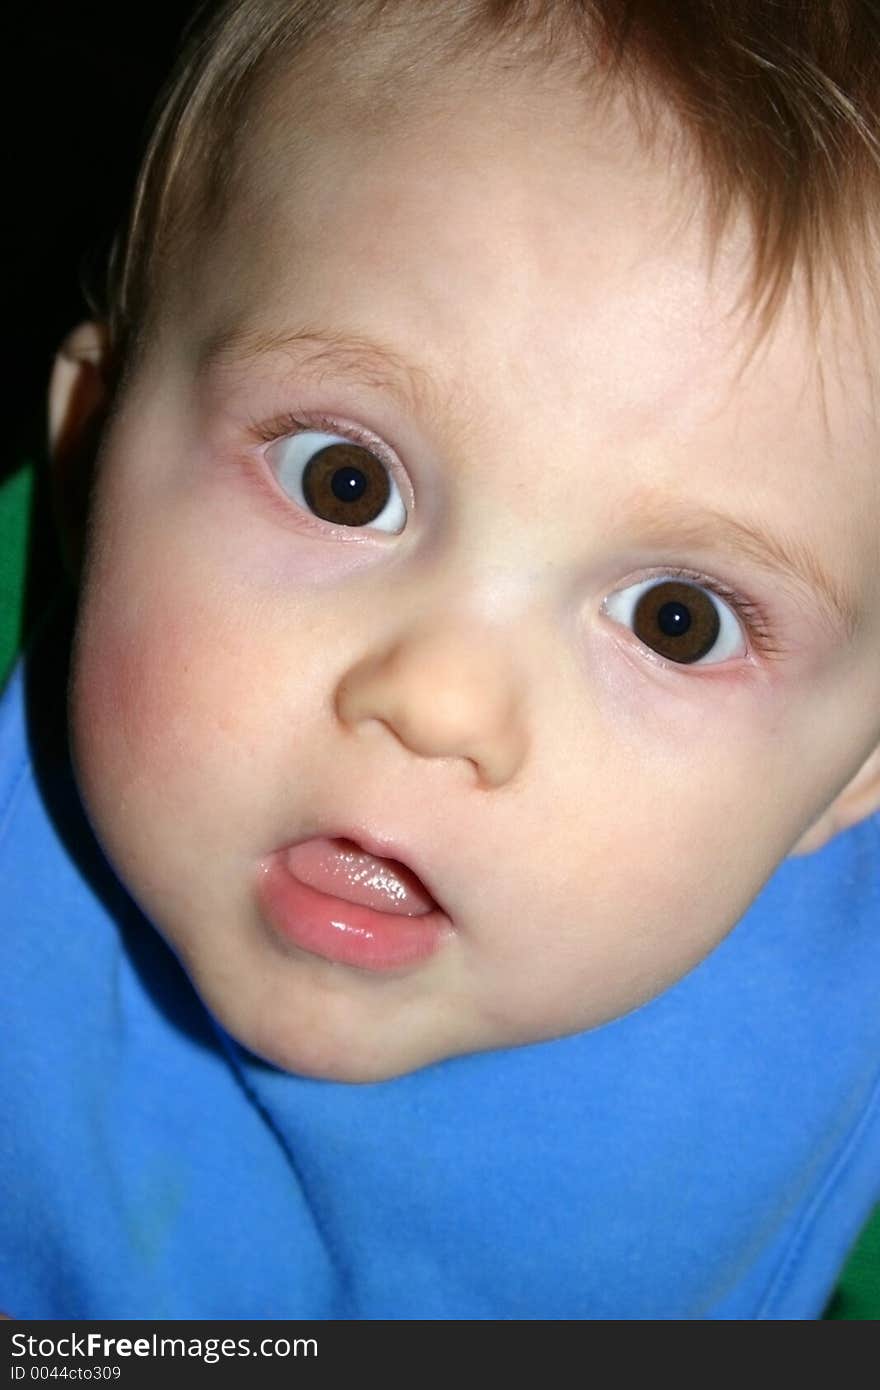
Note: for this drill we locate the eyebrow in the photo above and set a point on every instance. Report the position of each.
(364, 362)
(660, 520)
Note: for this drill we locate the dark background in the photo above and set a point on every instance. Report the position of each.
(80, 81)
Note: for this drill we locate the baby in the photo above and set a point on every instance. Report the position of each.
(475, 682)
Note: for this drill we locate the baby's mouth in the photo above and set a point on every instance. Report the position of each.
(330, 897)
(343, 869)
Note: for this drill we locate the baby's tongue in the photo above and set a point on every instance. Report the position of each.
(339, 867)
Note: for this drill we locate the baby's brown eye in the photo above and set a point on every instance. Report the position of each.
(339, 481)
(680, 621)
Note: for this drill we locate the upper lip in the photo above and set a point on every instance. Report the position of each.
(383, 847)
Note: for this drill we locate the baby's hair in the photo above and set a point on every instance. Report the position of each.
(777, 102)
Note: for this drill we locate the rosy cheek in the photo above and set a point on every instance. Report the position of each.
(132, 704)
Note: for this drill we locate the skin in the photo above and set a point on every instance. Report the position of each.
(594, 820)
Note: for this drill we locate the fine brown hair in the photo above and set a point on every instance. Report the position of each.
(777, 100)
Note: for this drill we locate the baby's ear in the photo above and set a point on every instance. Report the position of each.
(78, 403)
(859, 799)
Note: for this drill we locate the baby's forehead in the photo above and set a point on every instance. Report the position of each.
(312, 182)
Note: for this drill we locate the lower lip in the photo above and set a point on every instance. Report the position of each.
(341, 931)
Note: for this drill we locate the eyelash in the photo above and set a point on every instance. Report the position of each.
(269, 431)
(751, 614)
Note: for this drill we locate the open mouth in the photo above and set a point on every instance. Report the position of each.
(330, 897)
(342, 869)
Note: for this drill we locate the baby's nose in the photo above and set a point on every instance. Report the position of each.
(443, 694)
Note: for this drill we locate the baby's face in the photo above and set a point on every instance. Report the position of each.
(462, 640)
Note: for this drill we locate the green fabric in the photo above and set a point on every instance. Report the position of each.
(857, 1297)
(858, 1294)
(15, 507)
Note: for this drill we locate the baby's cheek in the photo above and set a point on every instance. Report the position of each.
(143, 695)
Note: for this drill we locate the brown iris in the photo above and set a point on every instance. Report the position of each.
(346, 485)
(677, 620)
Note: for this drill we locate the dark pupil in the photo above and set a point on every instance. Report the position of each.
(677, 620)
(346, 484)
(674, 619)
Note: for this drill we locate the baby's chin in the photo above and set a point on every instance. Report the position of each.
(361, 1055)
(330, 1021)
(323, 1061)
(335, 1038)
(361, 1061)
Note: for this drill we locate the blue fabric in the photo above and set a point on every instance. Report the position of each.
(712, 1155)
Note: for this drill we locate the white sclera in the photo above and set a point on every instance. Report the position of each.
(290, 456)
(622, 605)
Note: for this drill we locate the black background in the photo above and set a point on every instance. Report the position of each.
(80, 81)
